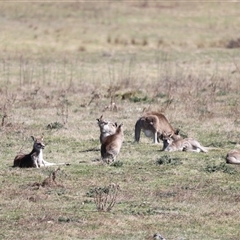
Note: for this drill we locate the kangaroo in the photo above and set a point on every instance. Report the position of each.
(186, 144)
(233, 157)
(153, 125)
(35, 158)
(107, 128)
(111, 145)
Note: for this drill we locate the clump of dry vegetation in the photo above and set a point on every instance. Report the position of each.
(234, 43)
(105, 197)
(50, 181)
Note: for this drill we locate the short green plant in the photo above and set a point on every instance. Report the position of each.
(222, 167)
(140, 99)
(55, 125)
(116, 164)
(168, 160)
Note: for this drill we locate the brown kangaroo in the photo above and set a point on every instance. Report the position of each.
(153, 125)
(111, 145)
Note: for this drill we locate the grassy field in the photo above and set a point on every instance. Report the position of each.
(62, 64)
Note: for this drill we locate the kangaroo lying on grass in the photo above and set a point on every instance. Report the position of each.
(186, 144)
(153, 125)
(35, 158)
(106, 128)
(111, 145)
(233, 157)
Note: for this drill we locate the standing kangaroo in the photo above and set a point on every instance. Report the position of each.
(107, 128)
(111, 145)
(35, 158)
(153, 125)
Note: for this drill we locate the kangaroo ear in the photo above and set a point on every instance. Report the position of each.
(177, 131)
(99, 119)
(115, 124)
(33, 138)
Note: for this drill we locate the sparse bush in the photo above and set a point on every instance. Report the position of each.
(82, 49)
(140, 99)
(116, 41)
(117, 164)
(6, 108)
(64, 220)
(161, 95)
(145, 42)
(62, 108)
(166, 159)
(55, 125)
(109, 40)
(234, 43)
(222, 167)
(50, 181)
(133, 41)
(160, 42)
(105, 197)
(90, 192)
(142, 209)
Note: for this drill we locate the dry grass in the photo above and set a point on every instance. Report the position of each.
(64, 64)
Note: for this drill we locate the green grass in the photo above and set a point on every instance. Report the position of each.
(61, 66)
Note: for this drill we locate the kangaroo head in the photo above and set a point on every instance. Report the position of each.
(102, 122)
(106, 126)
(167, 137)
(167, 140)
(38, 143)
